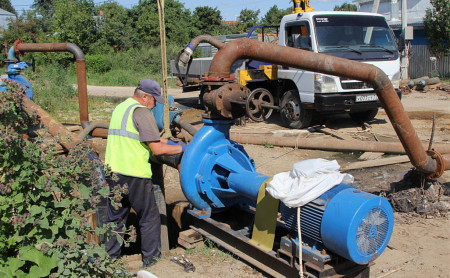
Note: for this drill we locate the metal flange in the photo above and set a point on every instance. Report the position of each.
(228, 101)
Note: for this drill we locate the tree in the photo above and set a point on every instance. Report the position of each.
(274, 15)
(346, 7)
(6, 5)
(73, 21)
(112, 26)
(43, 7)
(437, 27)
(206, 19)
(145, 23)
(248, 19)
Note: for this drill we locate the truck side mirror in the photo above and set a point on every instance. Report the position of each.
(400, 44)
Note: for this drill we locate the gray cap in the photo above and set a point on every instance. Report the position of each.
(151, 87)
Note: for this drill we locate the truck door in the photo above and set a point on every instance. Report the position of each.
(298, 35)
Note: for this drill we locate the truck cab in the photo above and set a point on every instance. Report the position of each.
(299, 95)
(363, 37)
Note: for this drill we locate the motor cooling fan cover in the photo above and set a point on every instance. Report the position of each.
(357, 225)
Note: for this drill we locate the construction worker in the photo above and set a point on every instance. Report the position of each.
(132, 136)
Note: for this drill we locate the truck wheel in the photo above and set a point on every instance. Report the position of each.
(364, 116)
(293, 114)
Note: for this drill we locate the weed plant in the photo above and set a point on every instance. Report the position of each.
(46, 200)
(52, 91)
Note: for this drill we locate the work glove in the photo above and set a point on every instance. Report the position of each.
(177, 143)
(170, 160)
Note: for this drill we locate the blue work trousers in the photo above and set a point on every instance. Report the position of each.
(141, 198)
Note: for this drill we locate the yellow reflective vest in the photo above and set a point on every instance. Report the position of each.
(125, 154)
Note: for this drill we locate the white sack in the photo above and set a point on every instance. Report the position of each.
(306, 181)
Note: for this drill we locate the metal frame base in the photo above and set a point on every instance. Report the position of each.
(235, 239)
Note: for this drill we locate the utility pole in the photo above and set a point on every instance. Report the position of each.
(404, 62)
(158, 193)
(162, 34)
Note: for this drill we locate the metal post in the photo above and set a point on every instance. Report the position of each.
(162, 32)
(404, 59)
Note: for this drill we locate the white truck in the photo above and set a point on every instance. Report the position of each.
(300, 94)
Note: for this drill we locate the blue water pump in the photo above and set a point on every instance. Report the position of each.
(216, 173)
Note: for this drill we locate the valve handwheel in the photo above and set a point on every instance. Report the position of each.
(256, 101)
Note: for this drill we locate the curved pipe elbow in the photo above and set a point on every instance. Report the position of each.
(76, 51)
(21, 47)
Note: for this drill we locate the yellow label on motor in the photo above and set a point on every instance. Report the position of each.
(265, 224)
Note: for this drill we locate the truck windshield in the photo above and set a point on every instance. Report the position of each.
(355, 33)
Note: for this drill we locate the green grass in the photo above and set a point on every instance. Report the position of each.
(120, 77)
(125, 68)
(211, 250)
(54, 93)
(100, 109)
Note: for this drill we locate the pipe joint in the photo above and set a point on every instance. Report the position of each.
(16, 47)
(440, 164)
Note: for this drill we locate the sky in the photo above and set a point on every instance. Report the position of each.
(229, 9)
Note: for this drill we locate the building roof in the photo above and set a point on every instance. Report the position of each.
(6, 13)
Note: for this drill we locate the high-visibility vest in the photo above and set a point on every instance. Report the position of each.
(125, 154)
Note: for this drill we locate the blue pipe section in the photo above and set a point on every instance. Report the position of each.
(247, 183)
(11, 53)
(212, 166)
(158, 113)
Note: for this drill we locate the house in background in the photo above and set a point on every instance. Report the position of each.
(420, 63)
(5, 19)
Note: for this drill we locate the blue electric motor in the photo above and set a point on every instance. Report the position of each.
(351, 223)
(217, 173)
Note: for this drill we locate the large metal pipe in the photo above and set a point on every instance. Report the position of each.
(20, 47)
(66, 138)
(327, 144)
(430, 165)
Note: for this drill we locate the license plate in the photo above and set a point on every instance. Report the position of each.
(365, 98)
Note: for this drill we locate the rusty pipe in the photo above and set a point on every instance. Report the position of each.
(250, 49)
(327, 144)
(66, 138)
(21, 47)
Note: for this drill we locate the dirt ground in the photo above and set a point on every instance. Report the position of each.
(420, 245)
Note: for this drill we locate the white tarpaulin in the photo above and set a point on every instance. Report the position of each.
(306, 181)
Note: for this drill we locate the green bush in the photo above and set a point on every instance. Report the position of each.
(97, 63)
(52, 90)
(127, 67)
(45, 201)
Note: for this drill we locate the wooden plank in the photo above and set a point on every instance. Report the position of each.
(376, 162)
(333, 133)
(191, 236)
(187, 245)
(370, 156)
